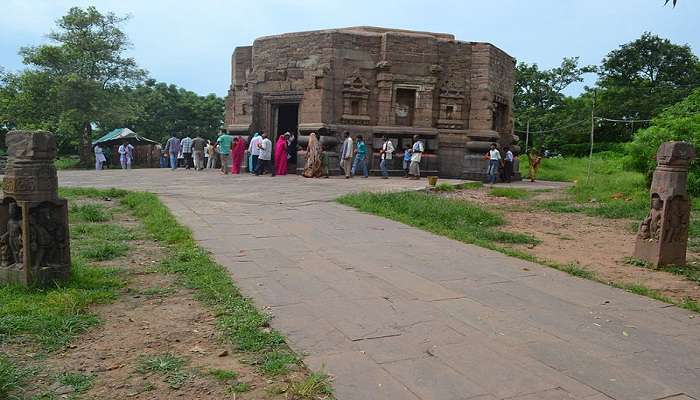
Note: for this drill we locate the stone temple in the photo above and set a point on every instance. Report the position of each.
(458, 96)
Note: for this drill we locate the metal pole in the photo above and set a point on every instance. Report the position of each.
(527, 136)
(590, 154)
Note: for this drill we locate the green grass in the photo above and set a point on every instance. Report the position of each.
(459, 220)
(313, 387)
(11, 377)
(53, 316)
(575, 270)
(102, 250)
(558, 206)
(240, 387)
(223, 375)
(90, 212)
(511, 193)
(242, 324)
(470, 185)
(168, 365)
(444, 187)
(93, 193)
(158, 291)
(69, 162)
(79, 381)
(101, 231)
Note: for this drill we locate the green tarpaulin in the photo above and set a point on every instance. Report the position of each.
(120, 134)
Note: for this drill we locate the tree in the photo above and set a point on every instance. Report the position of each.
(85, 72)
(539, 98)
(643, 77)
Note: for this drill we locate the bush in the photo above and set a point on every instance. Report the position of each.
(679, 122)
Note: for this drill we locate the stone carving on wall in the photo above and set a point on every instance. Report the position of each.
(662, 238)
(34, 241)
(452, 106)
(355, 100)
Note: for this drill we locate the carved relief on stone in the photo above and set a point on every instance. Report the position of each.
(452, 106)
(355, 100)
(650, 228)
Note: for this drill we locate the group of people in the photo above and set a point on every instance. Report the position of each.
(126, 155)
(500, 164)
(353, 157)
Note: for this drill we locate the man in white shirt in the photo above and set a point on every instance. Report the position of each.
(346, 155)
(386, 155)
(254, 150)
(264, 155)
(126, 155)
(508, 161)
(416, 155)
(494, 157)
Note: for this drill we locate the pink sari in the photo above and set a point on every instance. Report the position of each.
(281, 156)
(237, 153)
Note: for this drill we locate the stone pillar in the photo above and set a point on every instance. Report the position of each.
(34, 243)
(663, 235)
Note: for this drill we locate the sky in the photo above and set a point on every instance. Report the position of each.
(189, 43)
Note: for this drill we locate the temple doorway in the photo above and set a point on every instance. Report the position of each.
(405, 106)
(286, 119)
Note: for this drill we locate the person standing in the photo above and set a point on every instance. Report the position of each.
(291, 147)
(186, 145)
(416, 156)
(99, 157)
(254, 151)
(281, 155)
(312, 169)
(533, 159)
(494, 157)
(346, 155)
(198, 145)
(360, 157)
(213, 155)
(172, 147)
(406, 161)
(237, 154)
(508, 161)
(224, 145)
(264, 156)
(386, 155)
(126, 155)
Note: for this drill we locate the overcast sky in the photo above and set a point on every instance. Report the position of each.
(189, 43)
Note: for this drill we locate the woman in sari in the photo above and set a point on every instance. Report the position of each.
(237, 152)
(281, 155)
(313, 158)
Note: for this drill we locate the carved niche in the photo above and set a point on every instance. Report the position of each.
(452, 107)
(355, 101)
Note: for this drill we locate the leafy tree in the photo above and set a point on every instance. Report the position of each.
(679, 122)
(643, 77)
(85, 74)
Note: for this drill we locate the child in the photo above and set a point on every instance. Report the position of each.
(406, 161)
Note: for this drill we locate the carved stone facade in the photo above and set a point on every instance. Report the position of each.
(663, 235)
(373, 81)
(34, 242)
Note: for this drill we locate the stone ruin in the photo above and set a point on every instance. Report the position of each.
(663, 235)
(458, 96)
(34, 242)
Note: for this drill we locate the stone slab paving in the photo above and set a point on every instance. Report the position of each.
(393, 312)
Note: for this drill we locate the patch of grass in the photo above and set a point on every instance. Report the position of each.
(690, 272)
(102, 250)
(459, 220)
(162, 364)
(101, 231)
(70, 162)
(470, 185)
(240, 387)
(90, 212)
(80, 382)
(223, 375)
(314, 386)
(242, 324)
(558, 206)
(93, 193)
(53, 316)
(575, 270)
(11, 377)
(511, 193)
(444, 187)
(158, 291)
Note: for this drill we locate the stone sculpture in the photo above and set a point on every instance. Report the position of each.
(663, 235)
(34, 241)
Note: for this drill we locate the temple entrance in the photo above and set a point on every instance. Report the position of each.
(286, 119)
(405, 106)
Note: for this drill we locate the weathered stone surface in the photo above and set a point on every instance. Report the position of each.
(663, 235)
(34, 243)
(374, 82)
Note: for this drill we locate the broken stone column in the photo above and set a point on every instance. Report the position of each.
(34, 242)
(663, 235)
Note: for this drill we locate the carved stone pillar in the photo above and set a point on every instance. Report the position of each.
(663, 235)
(34, 242)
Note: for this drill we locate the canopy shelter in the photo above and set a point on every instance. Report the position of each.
(121, 134)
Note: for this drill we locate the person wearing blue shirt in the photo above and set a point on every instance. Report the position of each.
(361, 157)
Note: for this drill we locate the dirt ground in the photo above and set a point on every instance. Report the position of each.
(153, 316)
(596, 244)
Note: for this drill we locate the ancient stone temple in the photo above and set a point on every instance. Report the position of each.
(663, 235)
(458, 96)
(34, 243)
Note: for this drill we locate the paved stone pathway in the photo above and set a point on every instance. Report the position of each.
(393, 312)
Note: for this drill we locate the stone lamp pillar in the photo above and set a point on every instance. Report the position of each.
(34, 242)
(663, 235)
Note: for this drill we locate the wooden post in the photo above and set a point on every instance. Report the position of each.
(590, 153)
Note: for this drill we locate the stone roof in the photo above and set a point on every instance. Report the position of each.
(363, 30)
